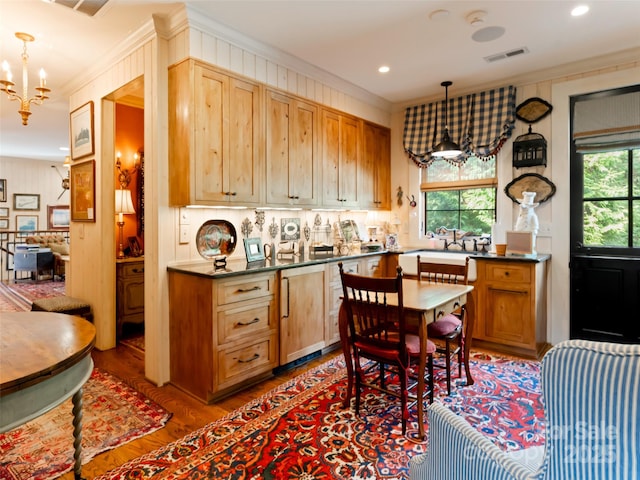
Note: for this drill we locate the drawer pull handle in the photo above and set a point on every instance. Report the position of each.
(245, 290)
(440, 314)
(255, 357)
(456, 305)
(135, 270)
(245, 324)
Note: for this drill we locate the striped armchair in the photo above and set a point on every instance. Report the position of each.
(591, 396)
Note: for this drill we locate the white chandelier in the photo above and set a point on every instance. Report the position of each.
(8, 84)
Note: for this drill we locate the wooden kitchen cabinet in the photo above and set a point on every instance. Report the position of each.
(302, 311)
(341, 151)
(511, 310)
(375, 171)
(292, 151)
(216, 137)
(129, 292)
(224, 332)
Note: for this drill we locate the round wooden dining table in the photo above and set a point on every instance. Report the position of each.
(45, 358)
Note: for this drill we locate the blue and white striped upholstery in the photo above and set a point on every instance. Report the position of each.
(591, 396)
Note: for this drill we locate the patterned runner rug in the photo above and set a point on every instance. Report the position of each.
(301, 431)
(17, 297)
(114, 414)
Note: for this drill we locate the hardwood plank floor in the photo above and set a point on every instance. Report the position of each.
(189, 414)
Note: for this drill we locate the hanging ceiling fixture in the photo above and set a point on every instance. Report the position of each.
(8, 84)
(446, 148)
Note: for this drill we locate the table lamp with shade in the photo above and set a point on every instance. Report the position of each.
(124, 206)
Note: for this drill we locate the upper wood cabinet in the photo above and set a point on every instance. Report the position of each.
(375, 170)
(215, 145)
(291, 151)
(341, 150)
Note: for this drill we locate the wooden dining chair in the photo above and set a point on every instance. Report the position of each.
(384, 354)
(449, 331)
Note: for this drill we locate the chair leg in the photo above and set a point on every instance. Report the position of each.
(430, 370)
(448, 364)
(404, 398)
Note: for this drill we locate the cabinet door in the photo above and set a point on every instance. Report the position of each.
(340, 156)
(292, 153)
(508, 315)
(244, 162)
(375, 170)
(227, 138)
(301, 312)
(211, 148)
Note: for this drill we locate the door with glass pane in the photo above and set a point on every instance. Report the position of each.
(605, 216)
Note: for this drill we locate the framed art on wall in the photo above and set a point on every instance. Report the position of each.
(26, 223)
(58, 217)
(83, 192)
(4, 223)
(26, 201)
(4, 212)
(81, 131)
(3, 189)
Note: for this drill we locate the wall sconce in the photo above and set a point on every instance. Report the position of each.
(124, 174)
(124, 206)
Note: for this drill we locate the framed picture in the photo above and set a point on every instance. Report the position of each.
(3, 189)
(253, 249)
(26, 201)
(26, 223)
(81, 131)
(134, 247)
(4, 212)
(290, 229)
(58, 217)
(392, 242)
(83, 192)
(4, 223)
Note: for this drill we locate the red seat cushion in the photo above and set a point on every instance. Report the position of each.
(444, 326)
(413, 345)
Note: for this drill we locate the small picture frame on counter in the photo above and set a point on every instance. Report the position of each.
(392, 242)
(253, 249)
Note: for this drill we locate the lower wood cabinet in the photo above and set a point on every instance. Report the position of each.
(224, 333)
(511, 310)
(129, 293)
(302, 311)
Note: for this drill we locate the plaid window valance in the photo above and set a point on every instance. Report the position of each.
(480, 123)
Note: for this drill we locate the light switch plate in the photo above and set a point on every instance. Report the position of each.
(184, 216)
(184, 234)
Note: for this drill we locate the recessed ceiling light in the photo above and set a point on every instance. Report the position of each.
(384, 69)
(579, 10)
(488, 34)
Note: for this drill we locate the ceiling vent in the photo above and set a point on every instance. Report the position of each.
(88, 7)
(504, 55)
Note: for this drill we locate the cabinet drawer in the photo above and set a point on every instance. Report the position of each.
(248, 320)
(348, 267)
(373, 267)
(508, 273)
(243, 362)
(131, 269)
(451, 306)
(245, 289)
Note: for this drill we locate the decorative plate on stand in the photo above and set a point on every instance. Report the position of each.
(216, 238)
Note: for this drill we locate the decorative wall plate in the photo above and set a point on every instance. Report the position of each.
(530, 182)
(533, 110)
(216, 238)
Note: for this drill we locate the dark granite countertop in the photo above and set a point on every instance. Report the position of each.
(241, 267)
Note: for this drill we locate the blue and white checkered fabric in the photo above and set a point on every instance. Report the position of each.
(480, 123)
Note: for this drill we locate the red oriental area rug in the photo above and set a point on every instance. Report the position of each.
(301, 431)
(17, 297)
(113, 414)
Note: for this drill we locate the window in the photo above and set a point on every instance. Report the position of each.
(462, 198)
(611, 198)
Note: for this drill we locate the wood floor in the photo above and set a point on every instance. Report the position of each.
(188, 414)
